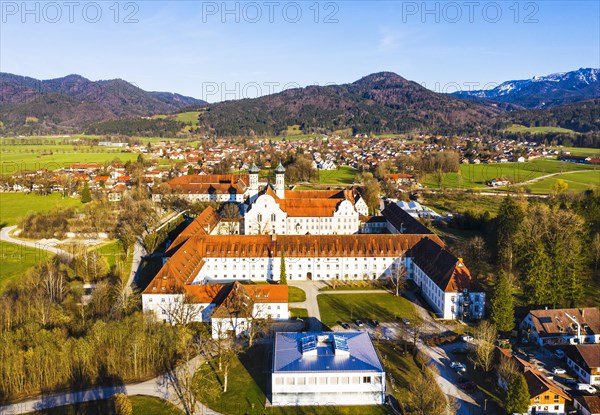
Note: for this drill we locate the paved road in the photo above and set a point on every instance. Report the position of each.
(160, 387)
(5, 236)
(311, 288)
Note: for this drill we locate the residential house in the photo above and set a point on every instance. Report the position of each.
(584, 360)
(562, 326)
(587, 405)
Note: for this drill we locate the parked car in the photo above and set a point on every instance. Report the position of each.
(345, 325)
(359, 323)
(406, 321)
(585, 387)
(559, 353)
(558, 370)
(457, 365)
(466, 338)
(375, 323)
(570, 382)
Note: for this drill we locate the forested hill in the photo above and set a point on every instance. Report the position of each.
(379, 103)
(68, 103)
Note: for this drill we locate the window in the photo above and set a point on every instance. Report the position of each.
(279, 381)
(301, 381)
(555, 398)
(333, 381)
(323, 380)
(259, 217)
(366, 379)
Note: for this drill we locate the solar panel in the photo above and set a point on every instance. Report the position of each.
(308, 343)
(341, 343)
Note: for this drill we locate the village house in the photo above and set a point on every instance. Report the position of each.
(587, 405)
(325, 368)
(562, 326)
(584, 360)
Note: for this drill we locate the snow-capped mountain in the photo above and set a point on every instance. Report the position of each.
(543, 91)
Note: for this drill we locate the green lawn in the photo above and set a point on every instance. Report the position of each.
(399, 366)
(577, 181)
(476, 175)
(142, 405)
(343, 175)
(247, 382)
(518, 128)
(14, 206)
(296, 295)
(462, 202)
(580, 151)
(14, 158)
(298, 312)
(112, 251)
(350, 286)
(348, 307)
(16, 260)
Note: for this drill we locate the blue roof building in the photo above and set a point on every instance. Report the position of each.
(324, 368)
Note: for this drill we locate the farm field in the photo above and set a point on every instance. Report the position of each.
(518, 128)
(14, 206)
(343, 175)
(54, 157)
(577, 181)
(580, 151)
(476, 175)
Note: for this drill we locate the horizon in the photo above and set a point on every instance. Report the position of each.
(202, 49)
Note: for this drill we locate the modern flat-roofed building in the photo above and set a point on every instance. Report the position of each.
(324, 368)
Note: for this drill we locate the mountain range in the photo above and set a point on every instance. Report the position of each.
(74, 101)
(542, 91)
(383, 102)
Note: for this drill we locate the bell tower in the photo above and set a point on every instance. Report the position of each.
(280, 181)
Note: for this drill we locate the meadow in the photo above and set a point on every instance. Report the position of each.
(16, 260)
(577, 181)
(518, 128)
(14, 206)
(343, 175)
(474, 176)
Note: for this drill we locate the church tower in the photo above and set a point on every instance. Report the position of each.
(280, 181)
(253, 179)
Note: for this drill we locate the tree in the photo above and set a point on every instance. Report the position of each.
(397, 278)
(86, 194)
(122, 404)
(229, 359)
(517, 395)
(371, 191)
(425, 397)
(502, 314)
(191, 170)
(282, 273)
(559, 186)
(510, 217)
(537, 275)
(485, 336)
(507, 367)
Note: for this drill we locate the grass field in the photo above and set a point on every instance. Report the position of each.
(476, 175)
(246, 391)
(462, 202)
(577, 181)
(518, 128)
(296, 295)
(142, 405)
(298, 312)
(18, 157)
(16, 260)
(580, 151)
(348, 307)
(13, 206)
(343, 175)
(112, 251)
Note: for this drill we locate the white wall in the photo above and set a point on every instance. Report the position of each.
(328, 388)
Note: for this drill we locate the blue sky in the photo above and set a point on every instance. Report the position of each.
(201, 49)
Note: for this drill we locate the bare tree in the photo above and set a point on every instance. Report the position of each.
(397, 278)
(425, 397)
(506, 368)
(485, 336)
(183, 310)
(229, 359)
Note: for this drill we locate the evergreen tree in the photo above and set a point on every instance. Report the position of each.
(191, 170)
(537, 275)
(282, 273)
(517, 395)
(86, 194)
(510, 216)
(502, 304)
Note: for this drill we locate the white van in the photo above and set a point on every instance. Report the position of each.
(586, 387)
